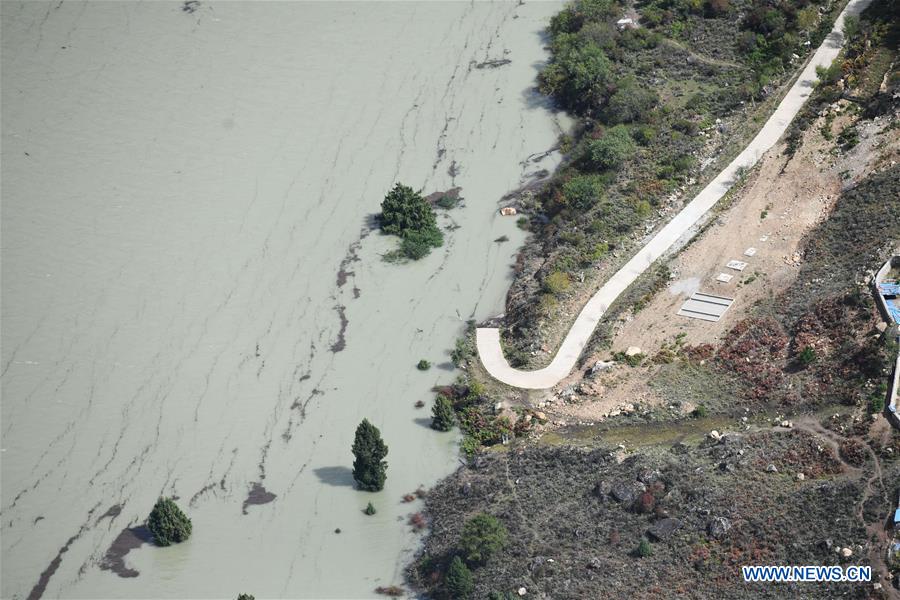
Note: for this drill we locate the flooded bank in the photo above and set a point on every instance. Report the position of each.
(193, 298)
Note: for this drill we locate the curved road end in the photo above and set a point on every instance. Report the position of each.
(488, 339)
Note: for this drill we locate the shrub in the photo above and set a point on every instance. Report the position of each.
(876, 404)
(578, 74)
(583, 191)
(630, 103)
(168, 524)
(447, 202)
(482, 537)
(369, 450)
(700, 412)
(246, 597)
(442, 415)
(807, 356)
(423, 365)
(417, 244)
(614, 148)
(643, 549)
(370, 509)
(557, 283)
(459, 579)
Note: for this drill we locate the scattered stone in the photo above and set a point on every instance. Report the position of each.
(772, 469)
(632, 351)
(787, 424)
(715, 435)
(664, 528)
(881, 327)
(601, 365)
(508, 211)
(800, 476)
(522, 591)
(846, 552)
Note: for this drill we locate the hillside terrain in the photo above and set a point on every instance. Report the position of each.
(757, 439)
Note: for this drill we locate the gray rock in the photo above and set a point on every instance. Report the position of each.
(626, 491)
(663, 529)
(718, 527)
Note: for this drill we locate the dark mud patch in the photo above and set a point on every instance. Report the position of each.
(493, 64)
(206, 488)
(131, 538)
(341, 341)
(446, 200)
(258, 495)
(38, 590)
(112, 512)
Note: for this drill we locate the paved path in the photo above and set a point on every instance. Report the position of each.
(488, 339)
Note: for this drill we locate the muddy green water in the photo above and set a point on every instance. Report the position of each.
(192, 303)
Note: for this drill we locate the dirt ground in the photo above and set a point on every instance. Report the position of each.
(782, 200)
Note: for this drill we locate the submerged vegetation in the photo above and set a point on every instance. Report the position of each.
(369, 451)
(168, 524)
(405, 213)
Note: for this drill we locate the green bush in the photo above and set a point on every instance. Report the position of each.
(246, 597)
(370, 509)
(644, 549)
(557, 283)
(578, 74)
(700, 412)
(583, 191)
(417, 244)
(611, 150)
(459, 581)
(442, 416)
(807, 356)
(168, 524)
(483, 536)
(369, 451)
(423, 365)
(630, 102)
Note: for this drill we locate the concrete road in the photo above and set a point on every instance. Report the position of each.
(488, 339)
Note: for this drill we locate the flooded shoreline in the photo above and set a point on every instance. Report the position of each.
(194, 302)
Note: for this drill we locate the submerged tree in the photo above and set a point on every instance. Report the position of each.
(168, 524)
(369, 450)
(442, 417)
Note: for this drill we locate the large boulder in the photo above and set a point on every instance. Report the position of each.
(626, 491)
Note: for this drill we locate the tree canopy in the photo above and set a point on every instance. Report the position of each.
(404, 212)
(459, 579)
(442, 415)
(369, 450)
(168, 524)
(483, 535)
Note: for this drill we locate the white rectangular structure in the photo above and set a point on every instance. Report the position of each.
(724, 277)
(750, 251)
(737, 265)
(706, 307)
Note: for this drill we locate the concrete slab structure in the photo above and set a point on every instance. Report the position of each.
(705, 306)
